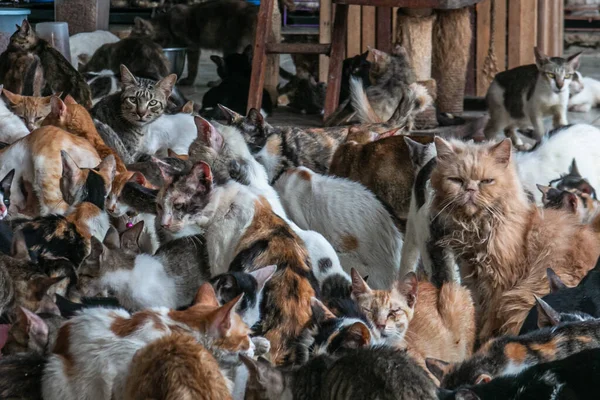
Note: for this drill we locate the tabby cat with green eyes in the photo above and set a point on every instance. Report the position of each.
(121, 118)
(521, 97)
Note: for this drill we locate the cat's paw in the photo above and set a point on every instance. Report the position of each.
(581, 108)
(262, 345)
(524, 146)
(186, 82)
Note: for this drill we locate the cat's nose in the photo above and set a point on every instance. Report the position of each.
(380, 327)
(472, 187)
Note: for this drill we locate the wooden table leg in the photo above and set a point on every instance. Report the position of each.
(384, 29)
(336, 58)
(259, 57)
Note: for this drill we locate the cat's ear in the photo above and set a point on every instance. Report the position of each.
(97, 248)
(70, 100)
(45, 286)
(263, 372)
(206, 296)
(554, 280)
(573, 60)
(408, 287)
(127, 78)
(13, 98)
(108, 168)
(365, 55)
(19, 249)
(138, 22)
(231, 116)
(262, 276)
(379, 56)
(416, 151)
(209, 134)
(356, 335)
(47, 306)
(111, 239)
(444, 149)
(48, 100)
(71, 178)
(166, 84)
(57, 107)
(483, 378)
(547, 316)
(466, 394)
(130, 239)
(256, 118)
(359, 286)
(34, 326)
(544, 189)
(220, 61)
(573, 170)
(138, 178)
(399, 51)
(320, 312)
(6, 182)
(570, 201)
(541, 58)
(501, 152)
(188, 108)
(224, 317)
(166, 170)
(200, 178)
(437, 367)
(25, 27)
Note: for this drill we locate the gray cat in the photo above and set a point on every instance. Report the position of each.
(125, 114)
(521, 97)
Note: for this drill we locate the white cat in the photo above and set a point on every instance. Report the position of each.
(169, 131)
(349, 216)
(84, 45)
(586, 96)
(12, 128)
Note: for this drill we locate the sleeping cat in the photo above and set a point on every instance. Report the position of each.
(521, 97)
(31, 109)
(217, 328)
(59, 74)
(12, 127)
(503, 244)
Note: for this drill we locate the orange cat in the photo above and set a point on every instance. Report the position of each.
(31, 109)
(503, 243)
(75, 119)
(175, 367)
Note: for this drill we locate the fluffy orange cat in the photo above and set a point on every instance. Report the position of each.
(75, 119)
(502, 243)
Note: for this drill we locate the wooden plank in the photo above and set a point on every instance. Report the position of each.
(272, 67)
(368, 28)
(324, 36)
(354, 31)
(437, 4)
(550, 27)
(483, 41)
(522, 33)
(336, 59)
(259, 59)
(384, 29)
(298, 48)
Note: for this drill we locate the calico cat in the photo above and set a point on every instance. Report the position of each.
(31, 109)
(34, 332)
(59, 74)
(509, 355)
(503, 244)
(69, 372)
(175, 367)
(573, 180)
(587, 97)
(369, 373)
(523, 96)
(12, 127)
(573, 377)
(227, 26)
(367, 240)
(581, 204)
(140, 55)
(126, 113)
(5, 185)
(301, 93)
(249, 238)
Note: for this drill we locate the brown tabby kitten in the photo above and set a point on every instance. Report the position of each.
(59, 74)
(175, 367)
(31, 109)
(503, 244)
(390, 311)
(22, 73)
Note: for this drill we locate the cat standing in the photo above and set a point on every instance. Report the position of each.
(523, 96)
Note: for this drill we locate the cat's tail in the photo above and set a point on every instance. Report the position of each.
(360, 102)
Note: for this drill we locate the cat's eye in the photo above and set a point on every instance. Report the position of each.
(487, 181)
(178, 206)
(365, 309)
(131, 100)
(159, 206)
(6, 201)
(153, 102)
(568, 76)
(550, 75)
(455, 180)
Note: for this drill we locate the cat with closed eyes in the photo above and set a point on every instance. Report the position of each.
(523, 96)
(30, 109)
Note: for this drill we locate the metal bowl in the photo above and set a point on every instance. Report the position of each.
(176, 57)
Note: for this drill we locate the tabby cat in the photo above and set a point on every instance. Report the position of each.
(31, 109)
(34, 332)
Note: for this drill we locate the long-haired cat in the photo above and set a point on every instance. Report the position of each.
(101, 342)
(521, 97)
(503, 244)
(31, 109)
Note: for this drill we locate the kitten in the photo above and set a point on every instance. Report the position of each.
(503, 244)
(128, 112)
(523, 96)
(12, 127)
(227, 26)
(366, 240)
(369, 373)
(31, 109)
(34, 332)
(573, 377)
(141, 56)
(111, 338)
(579, 301)
(175, 367)
(5, 185)
(302, 93)
(243, 234)
(59, 74)
(586, 98)
(509, 355)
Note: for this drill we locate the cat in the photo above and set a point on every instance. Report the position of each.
(12, 127)
(30, 109)
(5, 185)
(578, 300)
(111, 338)
(34, 332)
(84, 45)
(231, 284)
(360, 228)
(128, 112)
(58, 73)
(581, 204)
(574, 181)
(587, 97)
(250, 238)
(20, 376)
(170, 278)
(227, 26)
(140, 55)
(369, 373)
(503, 244)
(509, 355)
(521, 97)
(302, 92)
(22, 73)
(175, 367)
(357, 66)
(175, 132)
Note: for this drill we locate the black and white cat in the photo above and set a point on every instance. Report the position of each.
(5, 184)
